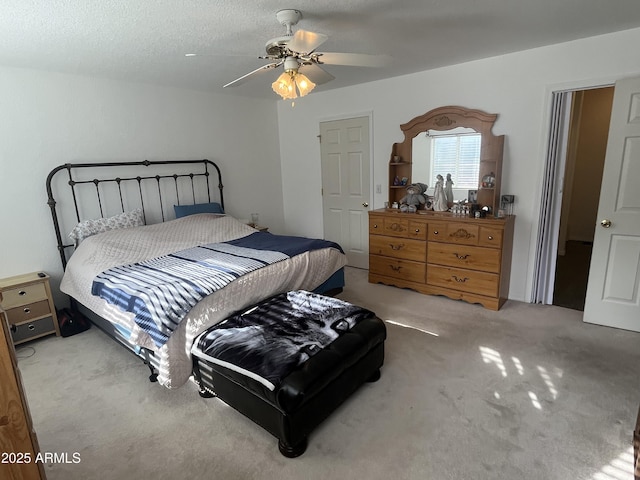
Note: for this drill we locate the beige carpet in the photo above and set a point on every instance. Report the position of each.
(529, 392)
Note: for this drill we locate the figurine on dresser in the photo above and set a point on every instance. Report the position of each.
(448, 190)
(439, 198)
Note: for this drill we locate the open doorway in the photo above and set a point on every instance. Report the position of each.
(586, 145)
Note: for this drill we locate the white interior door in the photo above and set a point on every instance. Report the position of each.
(613, 291)
(346, 192)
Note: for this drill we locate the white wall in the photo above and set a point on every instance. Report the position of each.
(49, 119)
(516, 86)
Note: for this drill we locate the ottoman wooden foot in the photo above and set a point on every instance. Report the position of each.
(292, 451)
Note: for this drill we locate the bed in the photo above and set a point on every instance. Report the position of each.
(158, 236)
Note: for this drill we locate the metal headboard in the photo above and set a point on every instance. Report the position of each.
(191, 170)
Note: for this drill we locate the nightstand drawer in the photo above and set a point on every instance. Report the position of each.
(27, 312)
(29, 330)
(13, 297)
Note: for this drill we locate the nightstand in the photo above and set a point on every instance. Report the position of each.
(260, 228)
(29, 306)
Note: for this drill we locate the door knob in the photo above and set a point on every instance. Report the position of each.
(365, 204)
(605, 223)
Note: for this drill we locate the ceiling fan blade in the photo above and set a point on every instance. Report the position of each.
(306, 42)
(316, 74)
(353, 59)
(220, 55)
(245, 77)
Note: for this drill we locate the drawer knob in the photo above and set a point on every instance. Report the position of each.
(31, 326)
(396, 247)
(395, 268)
(459, 280)
(435, 232)
(375, 225)
(26, 310)
(417, 230)
(461, 257)
(22, 293)
(490, 237)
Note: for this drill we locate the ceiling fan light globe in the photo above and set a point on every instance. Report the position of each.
(304, 84)
(285, 86)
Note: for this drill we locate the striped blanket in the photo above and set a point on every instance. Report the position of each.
(161, 291)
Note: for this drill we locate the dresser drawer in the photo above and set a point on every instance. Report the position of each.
(464, 256)
(376, 225)
(397, 227)
(418, 230)
(462, 233)
(25, 313)
(490, 237)
(396, 247)
(470, 281)
(29, 330)
(396, 268)
(13, 297)
(458, 233)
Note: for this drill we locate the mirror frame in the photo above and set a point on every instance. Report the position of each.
(448, 118)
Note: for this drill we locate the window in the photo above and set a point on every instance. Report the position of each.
(458, 155)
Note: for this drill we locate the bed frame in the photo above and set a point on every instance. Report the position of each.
(89, 190)
(153, 186)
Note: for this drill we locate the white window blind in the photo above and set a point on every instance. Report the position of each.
(458, 155)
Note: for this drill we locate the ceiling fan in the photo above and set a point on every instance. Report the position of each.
(297, 53)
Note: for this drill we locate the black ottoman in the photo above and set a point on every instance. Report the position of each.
(290, 361)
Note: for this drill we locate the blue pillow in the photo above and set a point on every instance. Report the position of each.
(184, 210)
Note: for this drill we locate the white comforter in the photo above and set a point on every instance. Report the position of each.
(120, 247)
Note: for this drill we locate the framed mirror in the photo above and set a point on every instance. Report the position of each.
(451, 126)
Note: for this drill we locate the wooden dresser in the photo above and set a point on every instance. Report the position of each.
(18, 441)
(436, 253)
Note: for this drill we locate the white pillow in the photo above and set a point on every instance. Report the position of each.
(87, 228)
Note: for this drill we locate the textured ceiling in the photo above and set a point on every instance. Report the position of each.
(145, 41)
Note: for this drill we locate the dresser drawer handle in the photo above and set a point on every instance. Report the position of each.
(26, 310)
(435, 232)
(22, 293)
(395, 268)
(490, 237)
(417, 230)
(375, 225)
(31, 326)
(459, 280)
(396, 247)
(461, 257)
